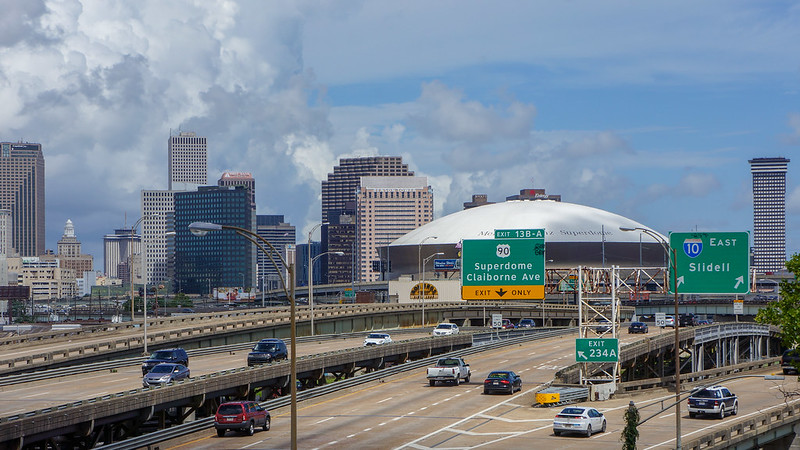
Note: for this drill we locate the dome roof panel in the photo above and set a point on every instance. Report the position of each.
(562, 222)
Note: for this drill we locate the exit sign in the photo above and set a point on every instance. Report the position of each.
(597, 350)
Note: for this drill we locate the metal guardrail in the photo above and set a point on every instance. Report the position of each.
(750, 432)
(721, 331)
(202, 424)
(78, 369)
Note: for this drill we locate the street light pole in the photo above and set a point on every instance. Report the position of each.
(201, 229)
(419, 267)
(423, 283)
(674, 268)
(311, 283)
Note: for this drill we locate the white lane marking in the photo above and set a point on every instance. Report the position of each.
(386, 399)
(351, 435)
(423, 408)
(413, 444)
(366, 429)
(666, 415)
(503, 361)
(36, 395)
(254, 443)
(435, 404)
(382, 424)
(324, 420)
(726, 421)
(531, 353)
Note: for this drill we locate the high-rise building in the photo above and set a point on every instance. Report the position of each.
(281, 235)
(478, 200)
(22, 192)
(534, 194)
(188, 161)
(769, 213)
(157, 210)
(5, 232)
(240, 179)
(118, 254)
(220, 259)
(338, 207)
(301, 270)
(69, 252)
(388, 208)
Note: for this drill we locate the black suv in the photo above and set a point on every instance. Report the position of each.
(266, 351)
(715, 400)
(168, 355)
(790, 360)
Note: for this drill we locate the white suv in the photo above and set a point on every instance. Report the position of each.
(445, 329)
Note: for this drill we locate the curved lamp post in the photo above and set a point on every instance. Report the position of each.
(423, 283)
(674, 268)
(311, 283)
(201, 229)
(419, 267)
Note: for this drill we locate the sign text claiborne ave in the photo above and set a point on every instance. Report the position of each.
(507, 268)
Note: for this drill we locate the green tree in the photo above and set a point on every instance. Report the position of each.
(785, 312)
(631, 432)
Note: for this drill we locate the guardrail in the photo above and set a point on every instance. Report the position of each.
(145, 441)
(751, 432)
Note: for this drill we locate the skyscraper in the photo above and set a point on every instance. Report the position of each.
(69, 252)
(388, 208)
(188, 161)
(218, 259)
(281, 235)
(118, 255)
(338, 203)
(769, 213)
(22, 192)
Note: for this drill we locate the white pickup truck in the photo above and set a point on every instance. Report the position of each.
(451, 370)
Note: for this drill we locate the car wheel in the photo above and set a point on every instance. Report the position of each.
(721, 411)
(220, 432)
(455, 382)
(432, 382)
(603, 428)
(735, 408)
(251, 428)
(466, 380)
(692, 415)
(266, 424)
(485, 392)
(785, 372)
(588, 430)
(557, 433)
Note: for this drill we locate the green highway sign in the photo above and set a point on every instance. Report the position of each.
(537, 233)
(503, 269)
(711, 263)
(597, 350)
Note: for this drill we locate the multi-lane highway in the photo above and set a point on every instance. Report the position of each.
(32, 396)
(405, 412)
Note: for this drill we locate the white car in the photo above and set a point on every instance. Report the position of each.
(445, 329)
(377, 339)
(579, 419)
(670, 321)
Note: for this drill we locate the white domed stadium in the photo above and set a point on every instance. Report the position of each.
(575, 235)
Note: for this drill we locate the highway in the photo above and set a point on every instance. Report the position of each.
(403, 412)
(32, 396)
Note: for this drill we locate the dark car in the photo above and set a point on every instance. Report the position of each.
(502, 381)
(790, 360)
(637, 327)
(267, 351)
(715, 400)
(165, 373)
(526, 323)
(241, 416)
(603, 327)
(168, 355)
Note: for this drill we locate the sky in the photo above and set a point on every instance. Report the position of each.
(650, 110)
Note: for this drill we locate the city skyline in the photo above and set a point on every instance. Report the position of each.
(478, 98)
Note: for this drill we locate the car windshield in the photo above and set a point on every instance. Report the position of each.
(444, 326)
(448, 362)
(572, 411)
(163, 368)
(376, 336)
(498, 375)
(230, 409)
(266, 347)
(163, 354)
(705, 393)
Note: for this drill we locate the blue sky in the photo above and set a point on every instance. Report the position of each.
(645, 109)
